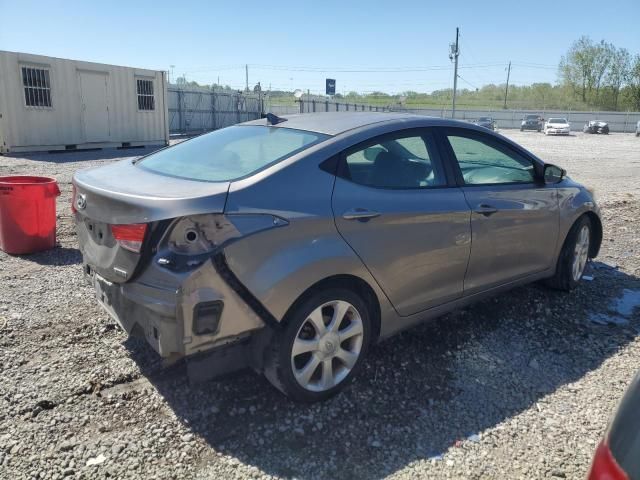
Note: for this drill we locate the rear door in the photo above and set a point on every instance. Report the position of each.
(393, 205)
(514, 219)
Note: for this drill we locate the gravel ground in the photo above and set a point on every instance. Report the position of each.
(519, 386)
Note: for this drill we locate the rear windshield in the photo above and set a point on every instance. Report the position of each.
(531, 117)
(230, 153)
(557, 120)
(484, 119)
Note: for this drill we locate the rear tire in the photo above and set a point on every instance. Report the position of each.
(573, 256)
(321, 347)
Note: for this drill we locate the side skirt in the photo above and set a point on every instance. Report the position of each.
(391, 326)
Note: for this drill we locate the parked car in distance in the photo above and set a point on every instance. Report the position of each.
(557, 126)
(596, 126)
(618, 455)
(532, 122)
(638, 129)
(486, 122)
(291, 245)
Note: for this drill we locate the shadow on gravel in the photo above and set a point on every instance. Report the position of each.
(71, 156)
(56, 257)
(418, 392)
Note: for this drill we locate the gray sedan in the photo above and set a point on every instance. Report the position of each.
(291, 245)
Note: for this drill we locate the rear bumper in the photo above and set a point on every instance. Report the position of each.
(143, 311)
(165, 307)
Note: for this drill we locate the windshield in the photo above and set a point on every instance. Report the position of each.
(230, 153)
(531, 117)
(484, 119)
(557, 120)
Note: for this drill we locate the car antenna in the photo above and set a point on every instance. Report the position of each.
(274, 119)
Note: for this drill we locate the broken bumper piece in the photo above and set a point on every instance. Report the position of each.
(179, 314)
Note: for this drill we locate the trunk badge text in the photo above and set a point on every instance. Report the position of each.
(81, 202)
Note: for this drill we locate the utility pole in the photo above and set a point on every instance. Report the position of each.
(506, 90)
(453, 55)
(246, 77)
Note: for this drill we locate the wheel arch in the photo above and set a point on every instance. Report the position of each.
(349, 282)
(596, 233)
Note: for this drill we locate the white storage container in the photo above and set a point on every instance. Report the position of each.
(49, 103)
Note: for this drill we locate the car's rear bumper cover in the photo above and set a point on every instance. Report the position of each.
(161, 306)
(143, 311)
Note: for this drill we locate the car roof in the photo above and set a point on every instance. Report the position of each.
(335, 123)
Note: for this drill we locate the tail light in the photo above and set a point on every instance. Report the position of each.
(604, 466)
(130, 237)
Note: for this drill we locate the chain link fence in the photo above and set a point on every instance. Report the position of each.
(194, 110)
(623, 122)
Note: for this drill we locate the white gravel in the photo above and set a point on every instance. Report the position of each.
(519, 386)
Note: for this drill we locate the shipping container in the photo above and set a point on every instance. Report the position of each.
(49, 103)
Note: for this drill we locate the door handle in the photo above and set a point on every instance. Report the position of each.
(359, 214)
(486, 210)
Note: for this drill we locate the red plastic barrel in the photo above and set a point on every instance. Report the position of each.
(27, 214)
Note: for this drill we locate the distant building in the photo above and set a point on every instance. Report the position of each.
(49, 103)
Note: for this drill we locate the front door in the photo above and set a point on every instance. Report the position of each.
(94, 87)
(393, 206)
(514, 217)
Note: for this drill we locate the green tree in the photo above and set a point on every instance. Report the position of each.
(634, 84)
(619, 72)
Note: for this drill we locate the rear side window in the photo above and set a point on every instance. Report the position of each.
(230, 153)
(402, 161)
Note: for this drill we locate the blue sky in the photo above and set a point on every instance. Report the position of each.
(366, 45)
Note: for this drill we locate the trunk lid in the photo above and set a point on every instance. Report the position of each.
(123, 194)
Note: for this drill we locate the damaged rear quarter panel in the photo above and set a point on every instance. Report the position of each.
(237, 318)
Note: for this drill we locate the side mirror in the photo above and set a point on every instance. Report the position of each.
(553, 174)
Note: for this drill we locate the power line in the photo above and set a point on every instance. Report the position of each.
(468, 82)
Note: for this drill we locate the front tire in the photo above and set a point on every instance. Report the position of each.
(321, 347)
(573, 256)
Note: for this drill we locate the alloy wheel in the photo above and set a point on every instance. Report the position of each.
(327, 346)
(580, 253)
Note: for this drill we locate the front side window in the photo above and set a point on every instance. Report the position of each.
(401, 161)
(146, 100)
(230, 153)
(37, 87)
(482, 162)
